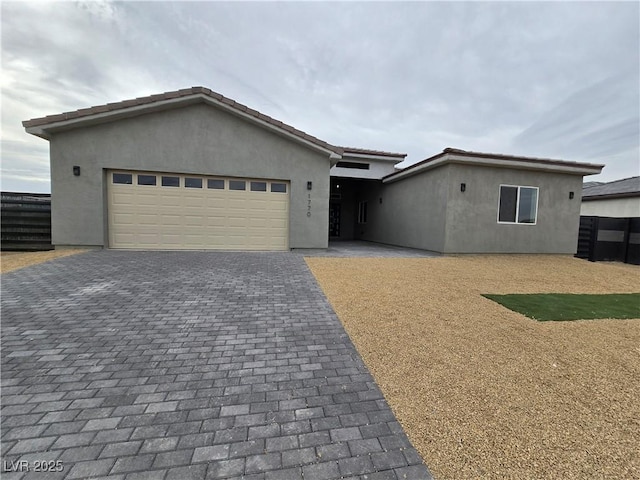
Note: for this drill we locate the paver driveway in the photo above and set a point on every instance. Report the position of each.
(179, 365)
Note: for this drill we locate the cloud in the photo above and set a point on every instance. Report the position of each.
(416, 77)
(599, 121)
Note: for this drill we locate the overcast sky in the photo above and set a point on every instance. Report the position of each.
(557, 80)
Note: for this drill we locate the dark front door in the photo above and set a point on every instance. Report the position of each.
(334, 220)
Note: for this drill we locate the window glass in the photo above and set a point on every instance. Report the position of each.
(146, 180)
(170, 181)
(258, 186)
(125, 178)
(356, 165)
(518, 204)
(192, 182)
(279, 187)
(508, 201)
(527, 205)
(237, 185)
(215, 183)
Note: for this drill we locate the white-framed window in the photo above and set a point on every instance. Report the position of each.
(518, 204)
(362, 212)
(192, 182)
(168, 181)
(215, 183)
(278, 187)
(150, 180)
(258, 186)
(237, 185)
(122, 178)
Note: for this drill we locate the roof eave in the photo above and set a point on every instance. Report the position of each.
(609, 196)
(46, 129)
(520, 164)
(382, 158)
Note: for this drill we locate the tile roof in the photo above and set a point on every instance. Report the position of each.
(364, 151)
(493, 156)
(178, 94)
(501, 156)
(626, 186)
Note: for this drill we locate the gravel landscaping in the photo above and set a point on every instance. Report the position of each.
(482, 391)
(11, 261)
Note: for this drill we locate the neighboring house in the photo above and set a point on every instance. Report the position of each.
(192, 169)
(618, 199)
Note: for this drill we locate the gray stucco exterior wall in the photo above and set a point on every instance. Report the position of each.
(429, 211)
(197, 139)
(472, 226)
(412, 212)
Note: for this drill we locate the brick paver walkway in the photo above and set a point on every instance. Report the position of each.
(192, 365)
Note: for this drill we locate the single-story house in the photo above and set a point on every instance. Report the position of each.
(192, 169)
(617, 199)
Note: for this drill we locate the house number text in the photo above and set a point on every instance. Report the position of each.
(309, 206)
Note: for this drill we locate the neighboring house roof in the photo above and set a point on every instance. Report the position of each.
(454, 155)
(626, 187)
(590, 184)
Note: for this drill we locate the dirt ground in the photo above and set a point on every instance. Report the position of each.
(10, 261)
(484, 392)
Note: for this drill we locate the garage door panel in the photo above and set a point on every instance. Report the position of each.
(148, 239)
(162, 217)
(126, 238)
(235, 222)
(145, 199)
(169, 201)
(216, 222)
(170, 220)
(140, 208)
(257, 204)
(197, 241)
(257, 222)
(171, 238)
(240, 203)
(194, 220)
(218, 241)
(218, 205)
(277, 225)
(279, 207)
(193, 202)
(123, 218)
(123, 199)
(151, 220)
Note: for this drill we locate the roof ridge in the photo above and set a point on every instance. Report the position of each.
(629, 186)
(619, 180)
(176, 94)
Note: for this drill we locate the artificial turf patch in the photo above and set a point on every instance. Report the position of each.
(566, 306)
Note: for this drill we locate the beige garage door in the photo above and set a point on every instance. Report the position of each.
(181, 212)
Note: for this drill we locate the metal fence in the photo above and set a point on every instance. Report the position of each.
(26, 221)
(609, 239)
